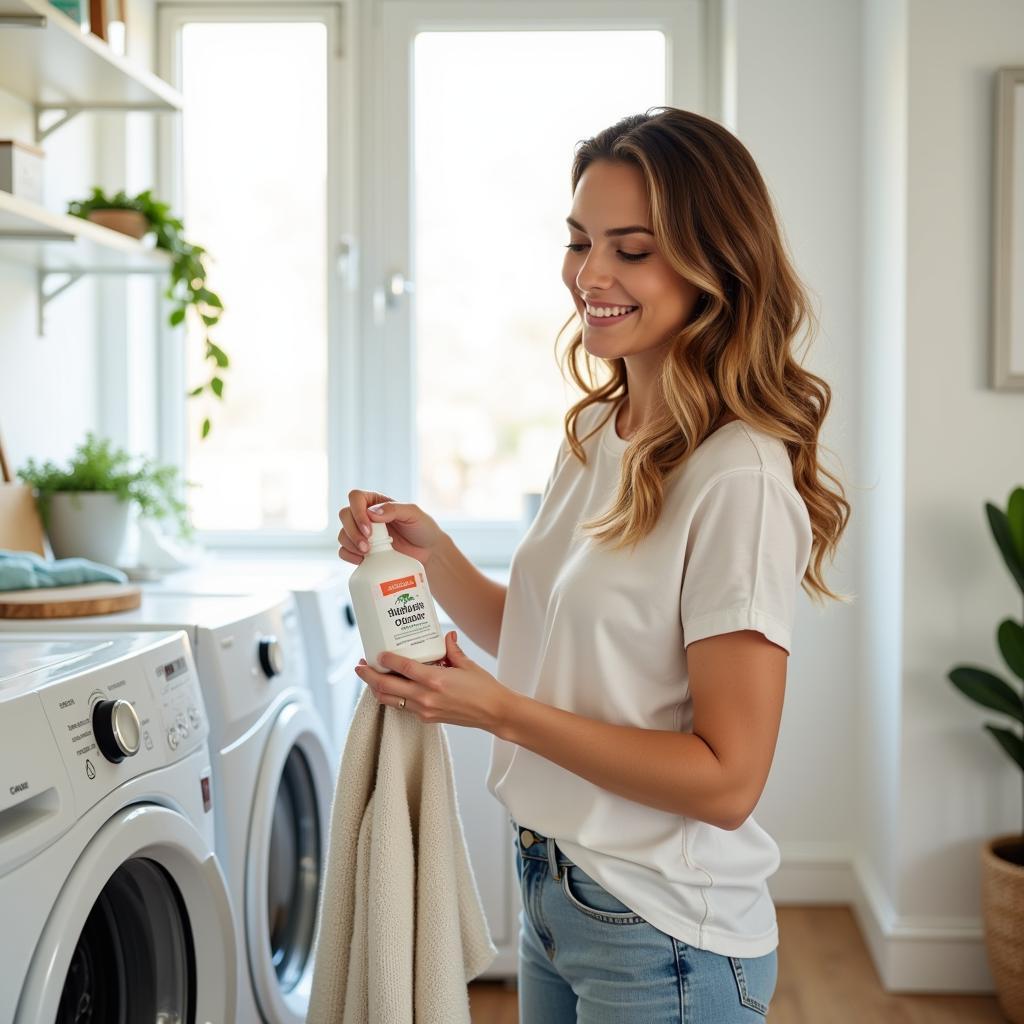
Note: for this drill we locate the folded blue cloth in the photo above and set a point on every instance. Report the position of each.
(25, 570)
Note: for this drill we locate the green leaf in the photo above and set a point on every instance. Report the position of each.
(218, 386)
(1001, 531)
(209, 320)
(988, 690)
(218, 353)
(206, 427)
(1010, 742)
(197, 391)
(1011, 644)
(1015, 520)
(177, 317)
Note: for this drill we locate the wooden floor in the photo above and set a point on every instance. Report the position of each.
(826, 976)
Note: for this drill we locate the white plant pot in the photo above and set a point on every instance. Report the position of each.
(88, 524)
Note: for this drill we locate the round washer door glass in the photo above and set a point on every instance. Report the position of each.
(294, 868)
(134, 960)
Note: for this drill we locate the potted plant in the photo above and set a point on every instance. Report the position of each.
(138, 216)
(85, 507)
(1002, 857)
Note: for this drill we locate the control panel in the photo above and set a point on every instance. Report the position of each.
(126, 718)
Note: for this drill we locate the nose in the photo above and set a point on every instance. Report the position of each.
(594, 275)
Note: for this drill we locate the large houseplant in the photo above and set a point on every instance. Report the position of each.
(1003, 856)
(187, 289)
(85, 507)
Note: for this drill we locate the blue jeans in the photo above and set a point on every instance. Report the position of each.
(586, 958)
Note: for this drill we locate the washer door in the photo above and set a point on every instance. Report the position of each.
(142, 931)
(284, 862)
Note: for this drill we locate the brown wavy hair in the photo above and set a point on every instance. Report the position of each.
(714, 222)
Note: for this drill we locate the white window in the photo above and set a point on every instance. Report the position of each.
(445, 388)
(479, 107)
(248, 167)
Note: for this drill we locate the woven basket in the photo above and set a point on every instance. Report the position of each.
(1002, 899)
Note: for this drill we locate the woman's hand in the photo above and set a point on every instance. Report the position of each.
(412, 531)
(455, 691)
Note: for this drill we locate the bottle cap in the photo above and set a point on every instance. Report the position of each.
(379, 533)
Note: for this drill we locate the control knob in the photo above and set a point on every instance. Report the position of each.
(116, 728)
(271, 656)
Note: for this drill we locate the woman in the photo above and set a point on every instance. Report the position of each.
(642, 641)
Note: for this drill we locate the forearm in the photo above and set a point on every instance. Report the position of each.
(671, 771)
(474, 601)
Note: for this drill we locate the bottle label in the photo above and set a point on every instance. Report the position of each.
(407, 615)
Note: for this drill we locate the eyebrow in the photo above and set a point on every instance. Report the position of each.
(633, 229)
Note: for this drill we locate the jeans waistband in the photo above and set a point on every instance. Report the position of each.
(534, 846)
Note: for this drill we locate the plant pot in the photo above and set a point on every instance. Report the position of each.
(128, 222)
(1002, 899)
(88, 524)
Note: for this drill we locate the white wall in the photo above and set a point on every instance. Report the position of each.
(873, 125)
(798, 102)
(47, 385)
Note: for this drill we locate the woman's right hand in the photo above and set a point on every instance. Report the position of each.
(412, 531)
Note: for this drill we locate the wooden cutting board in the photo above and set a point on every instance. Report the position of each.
(69, 602)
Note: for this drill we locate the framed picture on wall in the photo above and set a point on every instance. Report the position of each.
(1008, 233)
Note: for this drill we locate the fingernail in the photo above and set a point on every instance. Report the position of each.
(375, 509)
(366, 529)
(363, 546)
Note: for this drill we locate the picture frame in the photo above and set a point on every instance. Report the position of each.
(1007, 356)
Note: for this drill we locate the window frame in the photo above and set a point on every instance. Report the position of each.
(340, 320)
(369, 126)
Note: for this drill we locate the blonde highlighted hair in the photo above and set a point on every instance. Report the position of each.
(714, 222)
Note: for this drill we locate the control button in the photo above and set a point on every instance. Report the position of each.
(147, 740)
(116, 728)
(90, 769)
(172, 738)
(182, 726)
(271, 655)
(193, 717)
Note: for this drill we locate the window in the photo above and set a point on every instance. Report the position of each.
(497, 116)
(253, 166)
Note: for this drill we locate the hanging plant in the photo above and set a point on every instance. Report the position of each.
(187, 289)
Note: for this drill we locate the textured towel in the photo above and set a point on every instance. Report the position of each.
(402, 930)
(25, 570)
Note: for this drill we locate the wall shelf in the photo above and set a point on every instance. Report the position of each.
(46, 59)
(56, 244)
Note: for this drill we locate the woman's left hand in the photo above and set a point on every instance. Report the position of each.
(455, 691)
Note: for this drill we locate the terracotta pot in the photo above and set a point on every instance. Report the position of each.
(1002, 899)
(128, 222)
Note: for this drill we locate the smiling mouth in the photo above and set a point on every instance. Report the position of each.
(603, 321)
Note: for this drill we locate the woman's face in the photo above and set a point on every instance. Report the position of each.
(622, 269)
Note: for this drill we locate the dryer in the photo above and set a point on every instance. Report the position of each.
(114, 904)
(271, 763)
(320, 590)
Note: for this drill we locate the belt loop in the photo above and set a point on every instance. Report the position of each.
(553, 860)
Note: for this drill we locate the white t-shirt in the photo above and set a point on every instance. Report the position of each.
(603, 634)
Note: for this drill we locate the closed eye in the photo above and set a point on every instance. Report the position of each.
(632, 257)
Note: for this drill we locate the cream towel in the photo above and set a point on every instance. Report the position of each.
(402, 930)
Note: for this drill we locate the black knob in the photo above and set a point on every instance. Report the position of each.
(116, 728)
(271, 657)
(350, 616)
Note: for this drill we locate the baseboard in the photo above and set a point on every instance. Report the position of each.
(911, 954)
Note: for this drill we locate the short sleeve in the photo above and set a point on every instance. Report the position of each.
(747, 549)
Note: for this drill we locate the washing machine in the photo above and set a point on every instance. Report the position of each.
(114, 905)
(271, 763)
(328, 623)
